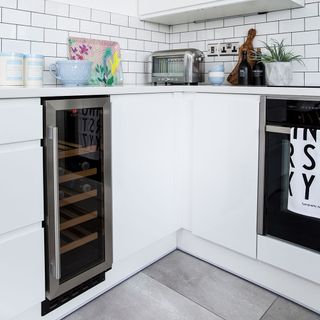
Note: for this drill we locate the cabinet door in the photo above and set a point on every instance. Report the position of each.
(143, 168)
(225, 170)
(21, 272)
(21, 185)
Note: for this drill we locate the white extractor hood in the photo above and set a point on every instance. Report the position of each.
(173, 12)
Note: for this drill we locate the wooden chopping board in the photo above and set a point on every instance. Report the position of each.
(248, 46)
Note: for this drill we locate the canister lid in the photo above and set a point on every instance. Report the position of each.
(37, 56)
(12, 54)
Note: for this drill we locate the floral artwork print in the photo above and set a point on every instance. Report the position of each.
(106, 58)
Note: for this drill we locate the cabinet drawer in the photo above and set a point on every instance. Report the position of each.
(21, 272)
(21, 120)
(21, 186)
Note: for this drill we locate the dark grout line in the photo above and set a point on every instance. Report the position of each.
(277, 297)
(182, 295)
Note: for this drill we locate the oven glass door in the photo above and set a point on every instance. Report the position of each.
(279, 222)
(78, 191)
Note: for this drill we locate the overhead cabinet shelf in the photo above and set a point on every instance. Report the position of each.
(183, 11)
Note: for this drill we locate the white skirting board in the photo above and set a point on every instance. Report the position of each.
(120, 272)
(299, 290)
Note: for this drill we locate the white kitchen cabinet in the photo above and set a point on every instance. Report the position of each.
(225, 170)
(182, 11)
(21, 120)
(22, 280)
(143, 171)
(21, 185)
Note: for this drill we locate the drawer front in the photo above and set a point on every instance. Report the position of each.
(21, 186)
(21, 272)
(21, 120)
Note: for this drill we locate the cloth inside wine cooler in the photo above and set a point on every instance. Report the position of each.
(304, 175)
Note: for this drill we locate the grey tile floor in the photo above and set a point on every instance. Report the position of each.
(181, 287)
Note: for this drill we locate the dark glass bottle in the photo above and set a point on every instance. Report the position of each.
(245, 71)
(259, 71)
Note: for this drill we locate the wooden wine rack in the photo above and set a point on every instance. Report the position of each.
(72, 216)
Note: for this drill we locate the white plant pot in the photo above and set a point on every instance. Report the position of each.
(279, 73)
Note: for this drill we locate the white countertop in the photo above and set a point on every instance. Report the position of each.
(58, 91)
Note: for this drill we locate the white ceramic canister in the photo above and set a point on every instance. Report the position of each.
(33, 70)
(11, 69)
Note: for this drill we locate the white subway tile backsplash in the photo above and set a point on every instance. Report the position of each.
(62, 50)
(43, 20)
(16, 16)
(196, 26)
(8, 3)
(126, 32)
(291, 25)
(8, 30)
(26, 28)
(158, 37)
(46, 49)
(134, 22)
(307, 37)
(279, 15)
(257, 18)
(100, 16)
(180, 28)
(144, 34)
(229, 22)
(9, 45)
(33, 5)
(89, 27)
(135, 44)
(30, 33)
(267, 28)
(214, 24)
(80, 12)
(110, 30)
(312, 79)
(55, 36)
(68, 24)
(222, 33)
(312, 51)
(310, 10)
(151, 26)
(313, 23)
(56, 8)
(151, 46)
(119, 19)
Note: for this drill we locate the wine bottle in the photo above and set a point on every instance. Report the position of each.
(259, 71)
(245, 72)
(79, 166)
(79, 186)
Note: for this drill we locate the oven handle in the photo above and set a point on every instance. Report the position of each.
(278, 129)
(56, 213)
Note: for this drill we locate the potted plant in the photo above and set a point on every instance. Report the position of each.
(278, 61)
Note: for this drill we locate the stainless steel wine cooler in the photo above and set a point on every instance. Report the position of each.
(78, 225)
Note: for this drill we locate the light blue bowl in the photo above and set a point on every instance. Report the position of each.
(216, 75)
(72, 72)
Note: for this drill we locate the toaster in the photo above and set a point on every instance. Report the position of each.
(182, 66)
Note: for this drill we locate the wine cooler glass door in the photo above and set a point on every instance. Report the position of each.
(78, 151)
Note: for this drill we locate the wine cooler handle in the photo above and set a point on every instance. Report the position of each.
(56, 221)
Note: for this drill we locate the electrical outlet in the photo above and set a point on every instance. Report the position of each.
(223, 49)
(229, 49)
(213, 49)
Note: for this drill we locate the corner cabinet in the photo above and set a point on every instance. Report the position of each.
(225, 170)
(143, 171)
(183, 11)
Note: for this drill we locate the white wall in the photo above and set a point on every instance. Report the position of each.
(127, 7)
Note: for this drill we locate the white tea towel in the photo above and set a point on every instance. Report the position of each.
(304, 175)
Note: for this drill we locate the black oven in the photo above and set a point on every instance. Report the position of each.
(278, 116)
